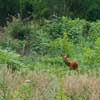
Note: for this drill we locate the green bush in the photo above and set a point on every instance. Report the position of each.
(53, 29)
(61, 46)
(17, 29)
(11, 59)
(19, 35)
(76, 28)
(41, 42)
(94, 31)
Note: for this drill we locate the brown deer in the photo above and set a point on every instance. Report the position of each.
(73, 65)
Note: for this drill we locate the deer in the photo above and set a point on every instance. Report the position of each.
(73, 65)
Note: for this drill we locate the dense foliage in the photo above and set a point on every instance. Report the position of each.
(46, 41)
(35, 36)
(31, 9)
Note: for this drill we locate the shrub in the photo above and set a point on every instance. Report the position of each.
(11, 59)
(17, 29)
(41, 42)
(20, 35)
(53, 29)
(94, 30)
(76, 28)
(61, 46)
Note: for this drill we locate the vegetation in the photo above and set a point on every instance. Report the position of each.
(38, 9)
(31, 49)
(33, 37)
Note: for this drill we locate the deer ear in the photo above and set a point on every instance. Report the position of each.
(65, 56)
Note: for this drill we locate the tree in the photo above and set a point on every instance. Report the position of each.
(8, 7)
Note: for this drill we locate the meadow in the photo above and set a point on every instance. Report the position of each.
(31, 66)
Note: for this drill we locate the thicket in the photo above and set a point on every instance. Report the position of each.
(31, 66)
(42, 44)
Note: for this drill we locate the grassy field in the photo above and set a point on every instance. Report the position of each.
(31, 66)
(42, 85)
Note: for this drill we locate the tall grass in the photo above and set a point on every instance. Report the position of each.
(40, 85)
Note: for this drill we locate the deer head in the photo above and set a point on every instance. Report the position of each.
(64, 56)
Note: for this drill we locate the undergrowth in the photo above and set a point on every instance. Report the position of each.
(31, 66)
